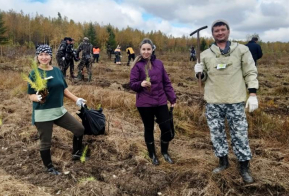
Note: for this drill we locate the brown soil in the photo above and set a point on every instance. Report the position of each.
(119, 163)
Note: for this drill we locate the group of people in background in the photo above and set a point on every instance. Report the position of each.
(227, 69)
(66, 55)
(117, 52)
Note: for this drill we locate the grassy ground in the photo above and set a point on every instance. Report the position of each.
(119, 163)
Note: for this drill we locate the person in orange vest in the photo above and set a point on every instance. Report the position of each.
(96, 51)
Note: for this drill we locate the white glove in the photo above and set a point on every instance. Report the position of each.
(252, 102)
(38, 97)
(80, 102)
(63, 58)
(199, 68)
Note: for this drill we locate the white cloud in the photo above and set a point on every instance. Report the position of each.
(276, 35)
(244, 16)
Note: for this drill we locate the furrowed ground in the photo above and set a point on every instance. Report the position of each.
(119, 163)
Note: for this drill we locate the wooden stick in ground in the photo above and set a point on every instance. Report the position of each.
(198, 53)
(199, 60)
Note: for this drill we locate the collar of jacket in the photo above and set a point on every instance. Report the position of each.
(216, 50)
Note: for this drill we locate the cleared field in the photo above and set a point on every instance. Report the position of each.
(119, 163)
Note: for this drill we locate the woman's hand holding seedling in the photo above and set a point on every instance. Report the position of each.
(38, 97)
(35, 97)
(145, 83)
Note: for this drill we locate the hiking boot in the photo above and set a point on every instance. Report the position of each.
(245, 173)
(164, 150)
(152, 153)
(223, 164)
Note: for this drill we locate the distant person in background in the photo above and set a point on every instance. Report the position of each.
(117, 53)
(149, 79)
(193, 54)
(86, 60)
(63, 57)
(130, 54)
(109, 51)
(46, 114)
(96, 51)
(69, 58)
(255, 49)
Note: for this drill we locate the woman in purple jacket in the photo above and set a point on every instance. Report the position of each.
(150, 80)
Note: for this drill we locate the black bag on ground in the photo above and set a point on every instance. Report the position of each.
(92, 120)
(169, 135)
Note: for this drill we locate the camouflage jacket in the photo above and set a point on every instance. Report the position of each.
(61, 49)
(86, 48)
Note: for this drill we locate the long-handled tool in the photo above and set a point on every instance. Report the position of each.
(198, 52)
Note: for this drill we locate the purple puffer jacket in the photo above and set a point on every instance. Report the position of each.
(161, 88)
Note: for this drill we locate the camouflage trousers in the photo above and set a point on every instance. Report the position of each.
(85, 63)
(236, 117)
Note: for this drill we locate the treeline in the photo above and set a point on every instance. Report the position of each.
(29, 30)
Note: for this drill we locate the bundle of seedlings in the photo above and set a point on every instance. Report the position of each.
(38, 81)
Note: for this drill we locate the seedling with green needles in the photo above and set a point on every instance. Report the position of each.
(39, 82)
(83, 156)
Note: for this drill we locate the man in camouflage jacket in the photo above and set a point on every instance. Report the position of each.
(65, 56)
(86, 60)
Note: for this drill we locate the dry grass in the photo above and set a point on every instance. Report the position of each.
(118, 160)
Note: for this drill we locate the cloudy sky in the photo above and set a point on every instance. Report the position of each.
(268, 18)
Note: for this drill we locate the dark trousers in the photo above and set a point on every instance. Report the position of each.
(117, 58)
(148, 115)
(193, 56)
(85, 63)
(64, 64)
(45, 129)
(71, 67)
(130, 56)
(95, 58)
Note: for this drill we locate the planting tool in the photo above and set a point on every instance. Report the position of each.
(198, 52)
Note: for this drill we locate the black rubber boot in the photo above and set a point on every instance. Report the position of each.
(77, 148)
(46, 158)
(164, 149)
(223, 164)
(245, 173)
(152, 153)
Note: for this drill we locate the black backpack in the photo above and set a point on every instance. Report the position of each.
(92, 120)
